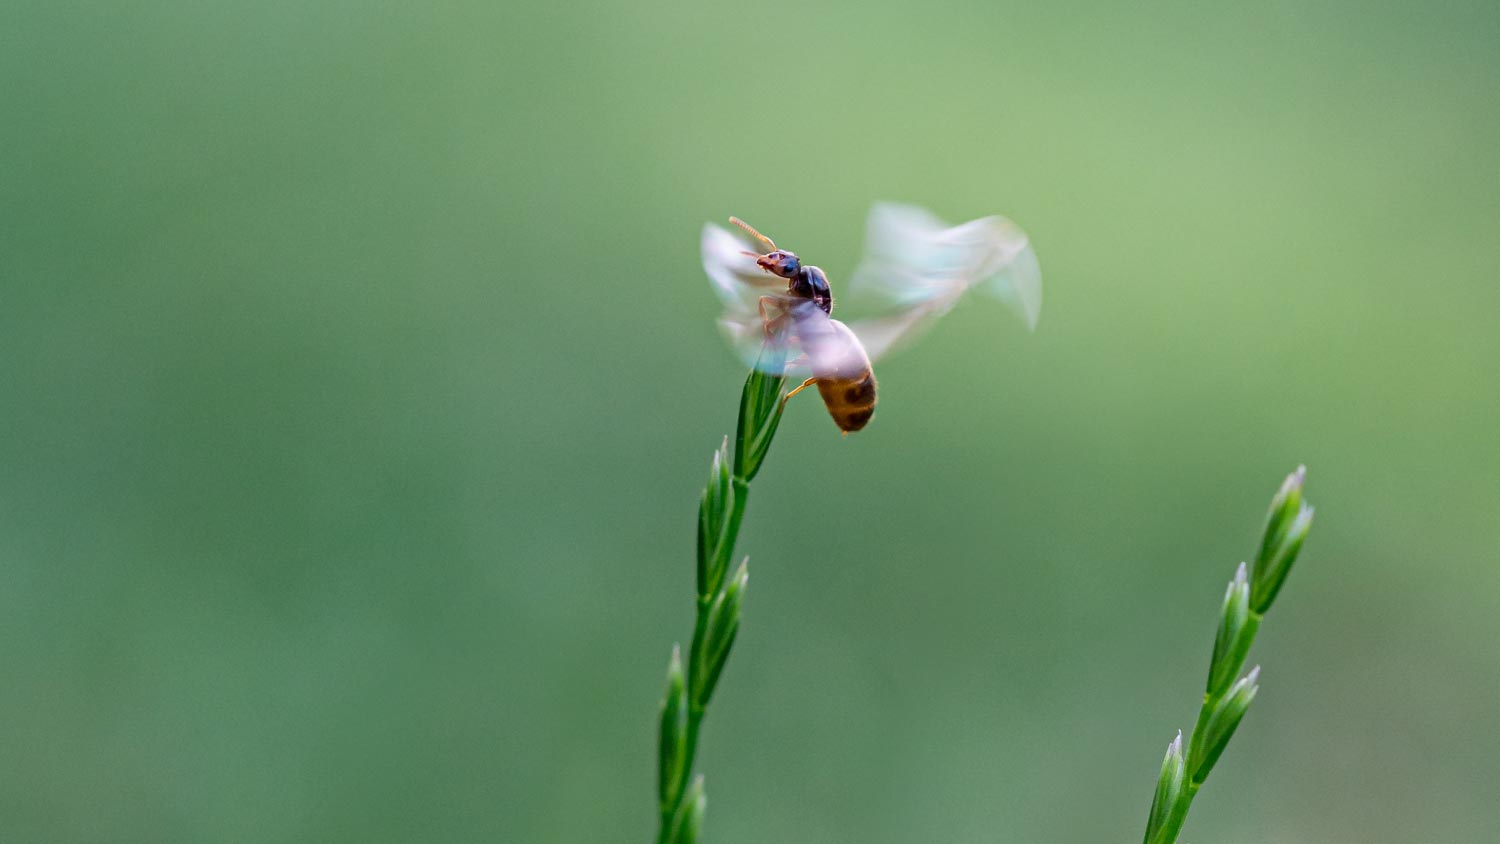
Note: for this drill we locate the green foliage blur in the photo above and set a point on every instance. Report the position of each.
(359, 381)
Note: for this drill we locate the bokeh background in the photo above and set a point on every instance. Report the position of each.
(359, 379)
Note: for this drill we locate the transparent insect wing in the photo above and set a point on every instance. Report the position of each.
(830, 348)
(883, 334)
(737, 279)
(741, 286)
(777, 353)
(1018, 283)
(912, 258)
(801, 341)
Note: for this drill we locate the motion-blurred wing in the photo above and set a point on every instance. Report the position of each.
(879, 335)
(761, 337)
(917, 267)
(801, 341)
(737, 279)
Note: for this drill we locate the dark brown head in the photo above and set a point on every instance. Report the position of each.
(780, 262)
(776, 261)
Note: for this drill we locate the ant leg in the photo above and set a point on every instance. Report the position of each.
(805, 384)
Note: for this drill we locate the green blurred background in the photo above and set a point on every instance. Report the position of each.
(359, 380)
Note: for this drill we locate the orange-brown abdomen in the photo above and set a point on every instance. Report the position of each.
(850, 401)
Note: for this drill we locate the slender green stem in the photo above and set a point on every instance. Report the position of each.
(670, 809)
(1178, 813)
(716, 620)
(696, 711)
(672, 802)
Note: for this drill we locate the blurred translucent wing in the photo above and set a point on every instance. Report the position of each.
(880, 335)
(918, 267)
(747, 334)
(737, 279)
(740, 285)
(1018, 283)
(831, 347)
(803, 341)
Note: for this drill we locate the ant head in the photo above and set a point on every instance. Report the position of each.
(780, 262)
(777, 261)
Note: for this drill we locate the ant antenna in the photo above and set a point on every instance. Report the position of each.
(758, 236)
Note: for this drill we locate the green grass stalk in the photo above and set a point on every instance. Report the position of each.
(680, 796)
